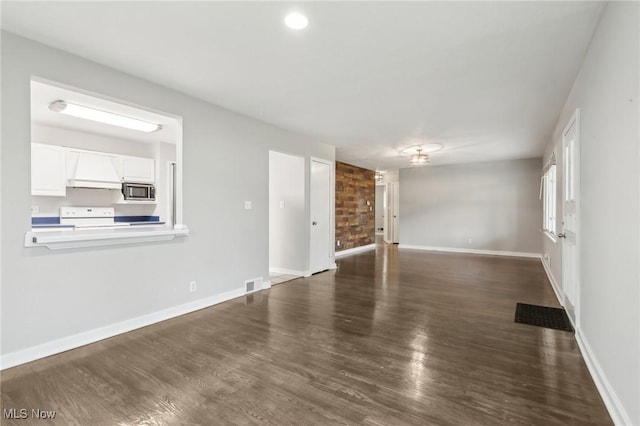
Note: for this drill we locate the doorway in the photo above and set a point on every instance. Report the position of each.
(321, 206)
(380, 203)
(287, 218)
(571, 218)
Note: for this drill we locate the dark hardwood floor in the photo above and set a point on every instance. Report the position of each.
(393, 337)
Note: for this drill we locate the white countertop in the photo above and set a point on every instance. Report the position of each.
(54, 226)
(54, 239)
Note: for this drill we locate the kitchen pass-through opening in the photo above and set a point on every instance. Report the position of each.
(93, 153)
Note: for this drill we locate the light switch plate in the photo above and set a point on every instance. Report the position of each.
(282, 204)
(248, 205)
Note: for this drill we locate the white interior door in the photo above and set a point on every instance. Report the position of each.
(320, 206)
(570, 218)
(387, 214)
(393, 213)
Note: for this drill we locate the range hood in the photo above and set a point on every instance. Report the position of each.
(87, 169)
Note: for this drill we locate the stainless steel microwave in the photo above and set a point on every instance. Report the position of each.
(138, 191)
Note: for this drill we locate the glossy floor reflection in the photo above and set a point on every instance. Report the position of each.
(392, 337)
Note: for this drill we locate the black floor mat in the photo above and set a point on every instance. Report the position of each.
(543, 316)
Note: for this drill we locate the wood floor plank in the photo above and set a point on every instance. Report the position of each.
(392, 337)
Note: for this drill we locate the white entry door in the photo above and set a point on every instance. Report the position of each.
(570, 217)
(320, 205)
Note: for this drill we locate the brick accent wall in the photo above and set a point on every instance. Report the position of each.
(355, 219)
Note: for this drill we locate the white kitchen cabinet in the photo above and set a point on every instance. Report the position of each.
(48, 170)
(138, 169)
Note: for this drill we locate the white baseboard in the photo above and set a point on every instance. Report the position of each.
(287, 271)
(355, 250)
(471, 251)
(266, 284)
(75, 341)
(611, 401)
(554, 283)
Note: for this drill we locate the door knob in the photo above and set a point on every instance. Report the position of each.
(314, 223)
(561, 235)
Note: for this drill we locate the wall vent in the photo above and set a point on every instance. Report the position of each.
(252, 285)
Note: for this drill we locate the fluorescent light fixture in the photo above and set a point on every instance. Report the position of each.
(296, 21)
(106, 117)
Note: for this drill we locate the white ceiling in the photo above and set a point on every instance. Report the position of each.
(485, 79)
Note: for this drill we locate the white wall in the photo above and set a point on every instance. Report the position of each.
(495, 204)
(287, 217)
(607, 93)
(47, 296)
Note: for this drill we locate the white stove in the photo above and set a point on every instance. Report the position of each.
(89, 217)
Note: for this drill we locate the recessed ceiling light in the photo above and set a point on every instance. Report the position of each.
(296, 21)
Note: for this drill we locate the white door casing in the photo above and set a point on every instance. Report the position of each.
(570, 217)
(321, 234)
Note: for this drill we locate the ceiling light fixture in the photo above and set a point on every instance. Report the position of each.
(296, 21)
(419, 159)
(105, 117)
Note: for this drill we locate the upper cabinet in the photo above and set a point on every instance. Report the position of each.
(138, 169)
(48, 175)
(53, 168)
